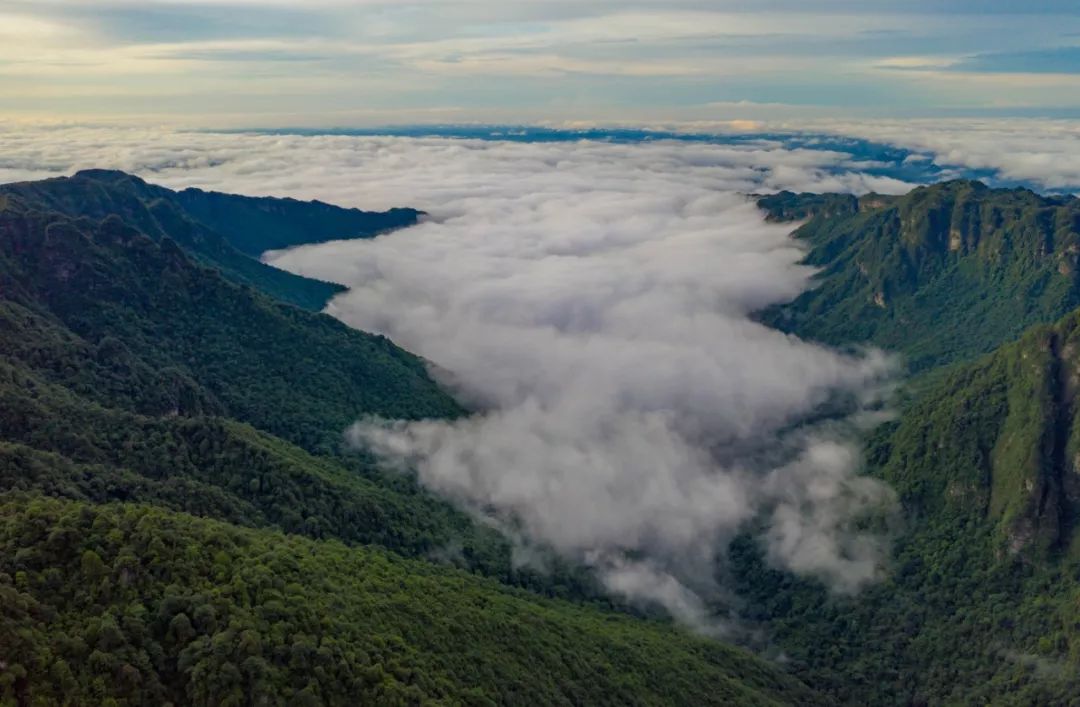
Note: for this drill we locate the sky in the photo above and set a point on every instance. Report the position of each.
(262, 63)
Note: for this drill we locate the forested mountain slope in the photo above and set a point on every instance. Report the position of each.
(256, 225)
(225, 231)
(982, 604)
(144, 606)
(999, 440)
(162, 427)
(941, 274)
(231, 349)
(122, 354)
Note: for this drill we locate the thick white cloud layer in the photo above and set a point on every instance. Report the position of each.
(378, 172)
(1044, 153)
(593, 301)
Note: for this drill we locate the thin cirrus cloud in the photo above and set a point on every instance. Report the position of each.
(1056, 60)
(220, 63)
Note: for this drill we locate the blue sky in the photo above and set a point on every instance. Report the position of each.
(373, 62)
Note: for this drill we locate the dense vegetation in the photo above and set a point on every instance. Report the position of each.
(132, 605)
(123, 301)
(983, 601)
(954, 623)
(178, 523)
(942, 274)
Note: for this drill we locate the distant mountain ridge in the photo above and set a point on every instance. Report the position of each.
(255, 225)
(227, 232)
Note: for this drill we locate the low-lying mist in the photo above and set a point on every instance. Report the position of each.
(594, 302)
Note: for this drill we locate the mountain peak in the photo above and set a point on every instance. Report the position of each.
(953, 184)
(106, 175)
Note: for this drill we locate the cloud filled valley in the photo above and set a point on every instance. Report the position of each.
(593, 303)
(615, 352)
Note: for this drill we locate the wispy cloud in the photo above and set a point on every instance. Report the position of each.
(1056, 60)
(1044, 153)
(641, 57)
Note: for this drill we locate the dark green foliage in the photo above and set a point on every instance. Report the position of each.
(144, 606)
(131, 303)
(65, 446)
(989, 442)
(788, 206)
(982, 604)
(983, 601)
(943, 274)
(953, 624)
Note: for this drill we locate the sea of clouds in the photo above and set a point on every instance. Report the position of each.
(593, 303)
(1038, 154)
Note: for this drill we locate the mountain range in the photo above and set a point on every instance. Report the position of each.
(977, 289)
(181, 524)
(939, 274)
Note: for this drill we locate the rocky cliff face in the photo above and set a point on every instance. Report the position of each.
(998, 440)
(941, 274)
